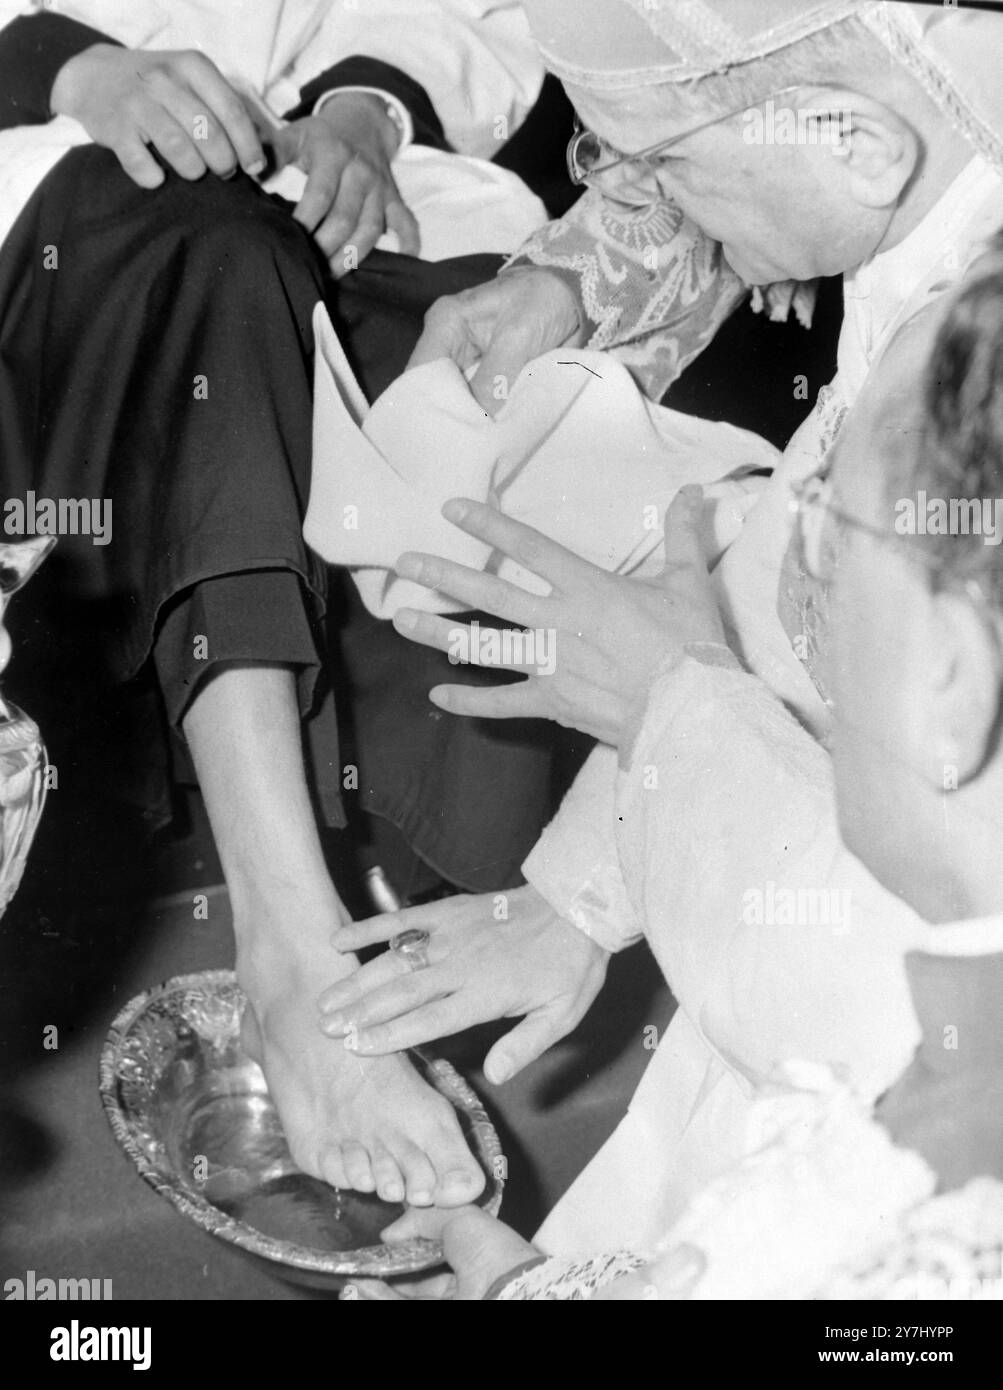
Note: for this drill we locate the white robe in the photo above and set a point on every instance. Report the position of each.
(474, 58)
(744, 799)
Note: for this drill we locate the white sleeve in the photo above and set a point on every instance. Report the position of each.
(475, 59)
(574, 863)
(774, 939)
(14, 9)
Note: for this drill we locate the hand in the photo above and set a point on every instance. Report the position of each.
(502, 325)
(351, 197)
(606, 634)
(534, 964)
(478, 1248)
(178, 103)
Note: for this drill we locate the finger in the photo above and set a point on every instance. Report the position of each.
(513, 343)
(447, 332)
(421, 1223)
(341, 997)
(475, 588)
(530, 548)
(371, 931)
(324, 163)
(427, 629)
(285, 145)
(341, 216)
(195, 118)
(402, 221)
(392, 1001)
(598, 713)
(489, 648)
(370, 1291)
(137, 161)
(682, 528)
(524, 1043)
(439, 1019)
(368, 229)
(482, 1248)
(237, 128)
(525, 700)
(178, 149)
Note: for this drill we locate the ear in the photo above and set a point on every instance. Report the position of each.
(878, 150)
(964, 697)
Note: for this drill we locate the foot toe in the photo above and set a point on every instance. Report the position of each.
(358, 1167)
(332, 1169)
(419, 1175)
(389, 1182)
(458, 1186)
(459, 1177)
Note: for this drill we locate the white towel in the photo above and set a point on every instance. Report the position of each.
(576, 451)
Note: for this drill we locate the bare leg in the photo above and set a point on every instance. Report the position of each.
(357, 1122)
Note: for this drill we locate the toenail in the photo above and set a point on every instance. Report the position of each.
(459, 1177)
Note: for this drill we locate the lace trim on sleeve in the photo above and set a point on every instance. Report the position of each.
(652, 286)
(569, 1280)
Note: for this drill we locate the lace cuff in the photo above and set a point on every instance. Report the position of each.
(556, 1280)
(651, 285)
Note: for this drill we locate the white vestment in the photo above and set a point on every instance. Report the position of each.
(744, 800)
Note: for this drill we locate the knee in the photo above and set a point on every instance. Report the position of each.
(234, 218)
(227, 220)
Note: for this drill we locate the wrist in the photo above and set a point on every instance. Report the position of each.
(278, 948)
(345, 109)
(72, 78)
(499, 1285)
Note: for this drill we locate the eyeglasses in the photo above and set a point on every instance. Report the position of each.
(818, 543)
(812, 505)
(634, 180)
(591, 160)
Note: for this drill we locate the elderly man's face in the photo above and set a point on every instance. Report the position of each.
(780, 211)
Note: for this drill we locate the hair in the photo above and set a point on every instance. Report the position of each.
(960, 446)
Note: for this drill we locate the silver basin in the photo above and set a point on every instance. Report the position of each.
(194, 1114)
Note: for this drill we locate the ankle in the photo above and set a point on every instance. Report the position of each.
(281, 951)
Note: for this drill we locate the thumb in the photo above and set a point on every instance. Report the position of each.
(683, 541)
(401, 220)
(421, 1223)
(508, 351)
(524, 1043)
(480, 1249)
(285, 142)
(446, 334)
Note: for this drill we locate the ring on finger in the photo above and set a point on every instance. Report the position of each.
(412, 947)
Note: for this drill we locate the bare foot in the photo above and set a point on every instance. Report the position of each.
(369, 1123)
